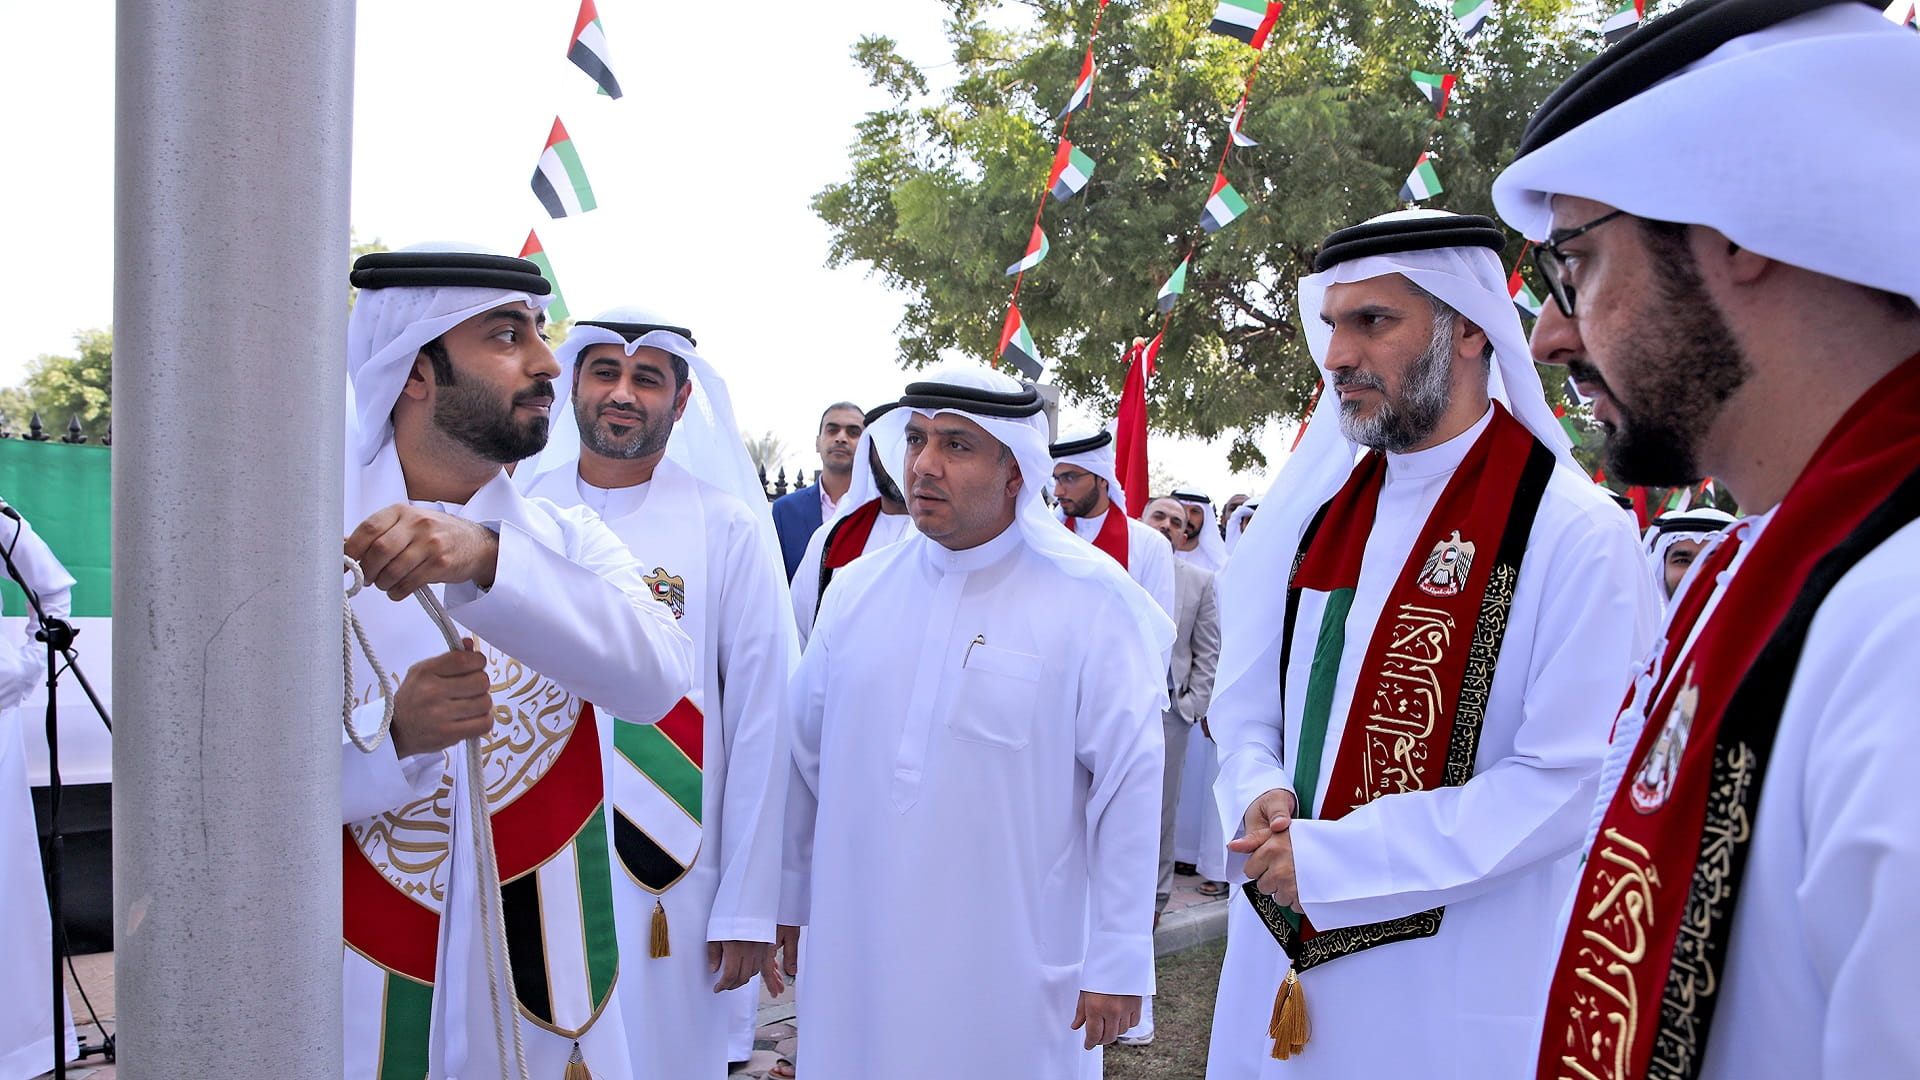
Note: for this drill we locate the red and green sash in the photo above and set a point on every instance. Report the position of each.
(846, 542)
(1112, 537)
(1638, 979)
(1417, 709)
(656, 823)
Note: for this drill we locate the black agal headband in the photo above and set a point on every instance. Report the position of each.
(447, 269)
(1408, 234)
(935, 397)
(634, 330)
(1080, 446)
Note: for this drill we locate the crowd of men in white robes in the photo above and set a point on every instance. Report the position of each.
(614, 775)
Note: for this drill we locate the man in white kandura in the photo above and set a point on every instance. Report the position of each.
(451, 381)
(871, 515)
(1411, 714)
(1205, 545)
(26, 945)
(1734, 275)
(1087, 486)
(696, 794)
(974, 811)
(1674, 542)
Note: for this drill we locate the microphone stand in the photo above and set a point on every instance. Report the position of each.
(58, 634)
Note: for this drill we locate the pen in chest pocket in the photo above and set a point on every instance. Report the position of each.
(978, 639)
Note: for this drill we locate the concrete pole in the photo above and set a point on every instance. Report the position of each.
(233, 132)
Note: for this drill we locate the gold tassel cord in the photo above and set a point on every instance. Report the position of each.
(658, 946)
(576, 1066)
(1288, 1027)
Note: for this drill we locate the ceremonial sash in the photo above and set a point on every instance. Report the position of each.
(545, 798)
(656, 780)
(846, 541)
(1638, 978)
(1112, 537)
(1415, 719)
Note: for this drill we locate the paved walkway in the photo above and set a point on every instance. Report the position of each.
(1190, 919)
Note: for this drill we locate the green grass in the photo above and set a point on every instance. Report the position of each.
(1182, 1020)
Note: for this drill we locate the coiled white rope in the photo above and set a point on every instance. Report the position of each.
(492, 918)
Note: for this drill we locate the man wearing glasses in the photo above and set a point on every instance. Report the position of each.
(1087, 486)
(1726, 211)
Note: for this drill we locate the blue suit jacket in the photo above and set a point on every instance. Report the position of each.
(795, 517)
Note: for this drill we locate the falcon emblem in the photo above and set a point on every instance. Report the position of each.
(1447, 567)
(1653, 783)
(670, 590)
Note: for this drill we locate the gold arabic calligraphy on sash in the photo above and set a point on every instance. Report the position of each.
(532, 719)
(1406, 703)
(1600, 1032)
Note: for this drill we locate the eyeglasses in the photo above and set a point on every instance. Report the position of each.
(1552, 263)
(1070, 477)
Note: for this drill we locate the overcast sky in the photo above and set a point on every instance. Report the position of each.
(703, 172)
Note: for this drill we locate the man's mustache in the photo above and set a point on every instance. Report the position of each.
(540, 393)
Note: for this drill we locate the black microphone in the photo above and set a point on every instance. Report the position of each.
(8, 511)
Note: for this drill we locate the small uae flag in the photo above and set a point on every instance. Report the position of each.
(1082, 90)
(1036, 250)
(1567, 425)
(1436, 88)
(1622, 22)
(1071, 171)
(1171, 291)
(1422, 182)
(1016, 346)
(1708, 493)
(1249, 20)
(1240, 138)
(537, 255)
(560, 182)
(1523, 297)
(1223, 205)
(1679, 499)
(1574, 394)
(1472, 16)
(588, 49)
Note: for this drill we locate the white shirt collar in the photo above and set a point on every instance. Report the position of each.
(1438, 460)
(978, 557)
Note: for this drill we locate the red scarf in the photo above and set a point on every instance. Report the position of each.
(1635, 988)
(1112, 537)
(848, 541)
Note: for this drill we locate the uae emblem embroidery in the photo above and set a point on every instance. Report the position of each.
(1654, 782)
(1447, 567)
(670, 590)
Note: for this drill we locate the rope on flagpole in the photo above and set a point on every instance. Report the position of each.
(486, 858)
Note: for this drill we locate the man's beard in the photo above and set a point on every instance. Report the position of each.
(1682, 365)
(1079, 507)
(650, 437)
(470, 412)
(1400, 424)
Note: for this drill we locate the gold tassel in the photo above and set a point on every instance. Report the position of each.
(576, 1067)
(659, 943)
(1288, 1027)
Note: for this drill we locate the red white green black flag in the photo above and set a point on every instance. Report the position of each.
(1422, 182)
(1082, 89)
(1037, 248)
(1223, 205)
(559, 181)
(1170, 292)
(1016, 346)
(1471, 15)
(1071, 171)
(588, 49)
(1250, 21)
(1623, 21)
(1240, 138)
(1523, 297)
(1436, 89)
(537, 255)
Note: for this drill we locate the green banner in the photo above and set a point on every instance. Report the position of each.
(67, 493)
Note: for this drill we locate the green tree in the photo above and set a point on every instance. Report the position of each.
(942, 187)
(60, 388)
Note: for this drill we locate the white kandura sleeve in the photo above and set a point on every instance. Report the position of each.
(752, 653)
(1118, 740)
(1410, 852)
(1246, 720)
(583, 618)
(381, 781)
(806, 713)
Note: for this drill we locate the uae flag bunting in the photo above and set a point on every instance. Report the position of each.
(1708, 493)
(1621, 22)
(535, 254)
(1175, 285)
(1240, 138)
(1600, 474)
(1422, 182)
(588, 49)
(1436, 88)
(1574, 394)
(1679, 499)
(1082, 89)
(1471, 15)
(1567, 425)
(1523, 297)
(1223, 205)
(1036, 251)
(1016, 346)
(1071, 171)
(1250, 21)
(560, 182)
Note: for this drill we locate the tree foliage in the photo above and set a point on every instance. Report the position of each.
(942, 187)
(60, 388)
